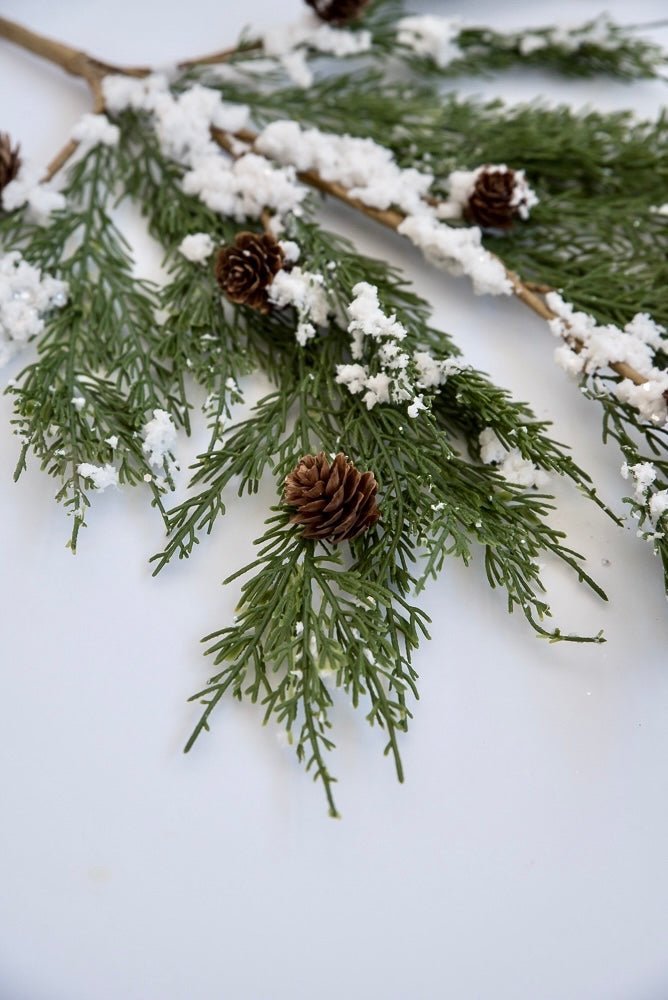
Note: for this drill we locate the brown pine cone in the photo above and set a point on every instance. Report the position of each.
(490, 204)
(246, 267)
(334, 502)
(10, 161)
(338, 11)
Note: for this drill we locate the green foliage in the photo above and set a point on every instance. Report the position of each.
(640, 442)
(102, 347)
(304, 622)
(594, 48)
(599, 47)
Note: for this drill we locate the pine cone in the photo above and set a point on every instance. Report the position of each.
(10, 161)
(246, 268)
(335, 502)
(491, 202)
(338, 11)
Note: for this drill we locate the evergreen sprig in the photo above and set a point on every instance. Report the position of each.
(597, 234)
(598, 47)
(98, 374)
(594, 48)
(305, 622)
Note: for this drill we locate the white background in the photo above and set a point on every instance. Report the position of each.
(524, 858)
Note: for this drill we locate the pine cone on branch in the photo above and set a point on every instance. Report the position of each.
(492, 203)
(338, 12)
(247, 267)
(10, 161)
(335, 502)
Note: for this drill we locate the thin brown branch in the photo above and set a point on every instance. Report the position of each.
(73, 61)
(528, 293)
(93, 71)
(538, 287)
(60, 159)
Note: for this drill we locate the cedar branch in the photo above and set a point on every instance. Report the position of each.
(529, 294)
(93, 71)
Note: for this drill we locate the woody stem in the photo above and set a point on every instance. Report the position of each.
(93, 71)
(73, 61)
(391, 219)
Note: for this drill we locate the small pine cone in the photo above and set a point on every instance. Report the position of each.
(10, 161)
(338, 11)
(335, 502)
(491, 204)
(246, 267)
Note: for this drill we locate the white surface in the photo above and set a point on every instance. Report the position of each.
(526, 855)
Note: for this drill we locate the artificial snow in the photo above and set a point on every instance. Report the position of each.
(95, 130)
(531, 42)
(101, 476)
(41, 200)
(492, 450)
(511, 464)
(643, 475)
(389, 374)
(367, 319)
(654, 501)
(569, 360)
(366, 169)
(291, 251)
(291, 43)
(196, 247)
(432, 373)
(244, 188)
(159, 439)
(459, 251)
(658, 504)
(430, 36)
(461, 184)
(26, 296)
(240, 188)
(599, 32)
(599, 346)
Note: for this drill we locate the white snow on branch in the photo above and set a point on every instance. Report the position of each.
(599, 32)
(95, 130)
(291, 43)
(196, 247)
(101, 476)
(590, 347)
(651, 503)
(159, 440)
(40, 199)
(304, 290)
(368, 170)
(243, 188)
(430, 36)
(459, 251)
(511, 464)
(382, 370)
(26, 296)
(240, 188)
